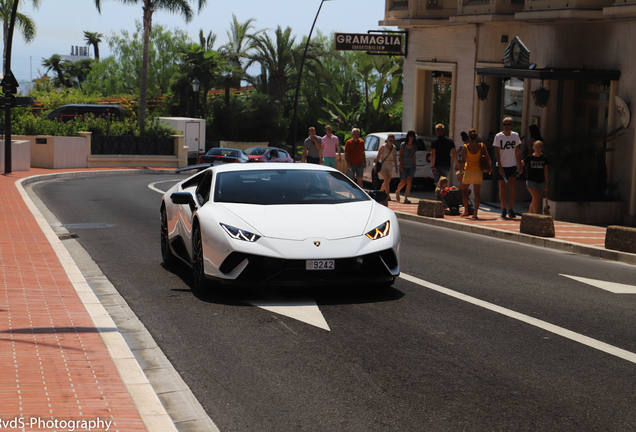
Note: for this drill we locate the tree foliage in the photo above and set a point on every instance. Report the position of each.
(121, 72)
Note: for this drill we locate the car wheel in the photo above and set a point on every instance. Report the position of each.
(166, 252)
(198, 274)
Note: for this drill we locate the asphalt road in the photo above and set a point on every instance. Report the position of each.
(479, 334)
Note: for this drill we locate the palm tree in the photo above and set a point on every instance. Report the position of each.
(56, 63)
(277, 61)
(204, 65)
(207, 42)
(181, 7)
(93, 38)
(25, 24)
(240, 43)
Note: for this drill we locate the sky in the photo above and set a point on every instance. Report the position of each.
(61, 23)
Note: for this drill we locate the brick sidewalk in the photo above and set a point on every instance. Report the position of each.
(53, 360)
(588, 235)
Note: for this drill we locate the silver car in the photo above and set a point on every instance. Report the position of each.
(373, 142)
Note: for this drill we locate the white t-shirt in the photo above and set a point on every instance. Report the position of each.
(507, 145)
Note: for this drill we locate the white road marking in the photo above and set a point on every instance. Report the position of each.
(592, 343)
(305, 310)
(152, 185)
(613, 287)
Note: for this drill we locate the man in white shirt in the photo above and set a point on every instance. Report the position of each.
(508, 153)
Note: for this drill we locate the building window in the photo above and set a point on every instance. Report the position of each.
(513, 101)
(400, 5)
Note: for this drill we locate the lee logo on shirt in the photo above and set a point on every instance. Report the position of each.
(507, 145)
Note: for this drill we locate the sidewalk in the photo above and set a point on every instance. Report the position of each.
(62, 357)
(569, 237)
(64, 363)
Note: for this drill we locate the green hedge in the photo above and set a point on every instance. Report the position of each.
(28, 124)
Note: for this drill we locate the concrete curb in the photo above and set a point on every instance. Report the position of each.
(549, 243)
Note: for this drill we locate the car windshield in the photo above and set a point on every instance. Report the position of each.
(256, 151)
(223, 152)
(282, 187)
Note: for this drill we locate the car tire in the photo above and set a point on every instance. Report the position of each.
(166, 253)
(199, 282)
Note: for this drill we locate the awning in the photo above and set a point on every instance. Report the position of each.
(550, 74)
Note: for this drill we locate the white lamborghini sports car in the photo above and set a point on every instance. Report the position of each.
(279, 224)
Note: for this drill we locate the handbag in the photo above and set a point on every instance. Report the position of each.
(378, 165)
(484, 160)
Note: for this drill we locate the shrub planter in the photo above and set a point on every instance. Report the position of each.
(593, 212)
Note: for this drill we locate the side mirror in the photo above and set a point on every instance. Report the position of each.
(183, 198)
(380, 197)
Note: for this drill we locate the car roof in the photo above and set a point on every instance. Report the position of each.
(90, 106)
(385, 135)
(271, 166)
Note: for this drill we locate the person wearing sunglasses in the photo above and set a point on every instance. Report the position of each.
(508, 154)
(387, 156)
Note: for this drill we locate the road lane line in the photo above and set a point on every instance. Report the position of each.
(152, 185)
(585, 340)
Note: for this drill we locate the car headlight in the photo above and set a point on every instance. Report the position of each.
(380, 231)
(239, 234)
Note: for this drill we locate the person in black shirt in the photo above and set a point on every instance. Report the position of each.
(442, 149)
(536, 166)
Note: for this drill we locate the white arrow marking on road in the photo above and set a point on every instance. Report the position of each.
(614, 287)
(306, 310)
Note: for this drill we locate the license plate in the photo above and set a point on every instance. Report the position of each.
(320, 265)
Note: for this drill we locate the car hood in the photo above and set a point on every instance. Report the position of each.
(300, 222)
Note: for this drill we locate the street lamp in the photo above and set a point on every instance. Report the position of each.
(300, 74)
(196, 84)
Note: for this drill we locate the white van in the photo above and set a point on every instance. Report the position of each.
(372, 143)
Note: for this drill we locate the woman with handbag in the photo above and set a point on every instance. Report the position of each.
(386, 164)
(476, 161)
(407, 166)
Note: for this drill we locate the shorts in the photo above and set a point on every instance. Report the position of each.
(357, 170)
(330, 162)
(313, 160)
(406, 173)
(473, 177)
(509, 172)
(442, 171)
(540, 186)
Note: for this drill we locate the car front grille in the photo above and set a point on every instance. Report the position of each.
(371, 267)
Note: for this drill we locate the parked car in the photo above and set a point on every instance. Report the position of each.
(372, 143)
(268, 154)
(221, 155)
(78, 111)
(263, 224)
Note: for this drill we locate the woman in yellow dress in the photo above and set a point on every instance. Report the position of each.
(472, 171)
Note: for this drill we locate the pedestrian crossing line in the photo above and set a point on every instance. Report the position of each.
(568, 334)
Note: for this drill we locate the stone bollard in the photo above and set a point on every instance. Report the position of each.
(537, 225)
(430, 208)
(620, 238)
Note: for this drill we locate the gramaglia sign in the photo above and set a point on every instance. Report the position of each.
(368, 42)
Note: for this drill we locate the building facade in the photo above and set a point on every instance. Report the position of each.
(580, 51)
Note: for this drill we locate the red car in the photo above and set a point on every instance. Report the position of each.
(268, 154)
